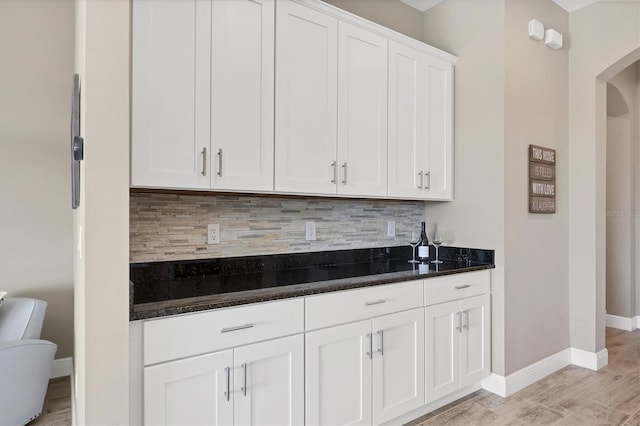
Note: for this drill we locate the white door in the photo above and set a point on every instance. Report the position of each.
(170, 93)
(306, 100)
(269, 382)
(442, 330)
(437, 157)
(362, 111)
(475, 355)
(242, 84)
(407, 115)
(398, 364)
(338, 375)
(191, 391)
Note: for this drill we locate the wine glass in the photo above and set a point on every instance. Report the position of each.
(437, 239)
(413, 242)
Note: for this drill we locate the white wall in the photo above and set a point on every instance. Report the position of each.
(101, 224)
(474, 31)
(600, 35)
(35, 203)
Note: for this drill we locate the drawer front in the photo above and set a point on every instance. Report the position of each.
(198, 333)
(458, 286)
(353, 305)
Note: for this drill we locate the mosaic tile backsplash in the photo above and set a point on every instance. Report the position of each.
(174, 226)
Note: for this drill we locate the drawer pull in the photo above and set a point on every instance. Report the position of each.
(240, 327)
(244, 380)
(459, 327)
(227, 372)
(460, 287)
(370, 352)
(377, 302)
(381, 348)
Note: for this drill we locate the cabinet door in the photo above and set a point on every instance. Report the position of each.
(269, 382)
(306, 100)
(407, 127)
(338, 375)
(242, 84)
(170, 93)
(362, 111)
(442, 324)
(191, 391)
(398, 364)
(475, 356)
(437, 160)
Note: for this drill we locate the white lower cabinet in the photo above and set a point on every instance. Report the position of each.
(367, 372)
(258, 384)
(457, 347)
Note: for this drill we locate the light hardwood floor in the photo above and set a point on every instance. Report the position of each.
(572, 396)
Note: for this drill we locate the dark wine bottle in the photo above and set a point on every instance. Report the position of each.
(423, 248)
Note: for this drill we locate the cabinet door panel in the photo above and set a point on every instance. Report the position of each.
(190, 391)
(170, 93)
(442, 350)
(362, 111)
(274, 382)
(407, 113)
(438, 156)
(475, 361)
(306, 99)
(338, 375)
(398, 364)
(242, 83)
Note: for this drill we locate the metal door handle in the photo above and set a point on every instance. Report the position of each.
(227, 372)
(240, 327)
(428, 174)
(421, 180)
(381, 348)
(344, 168)
(377, 302)
(370, 353)
(466, 319)
(220, 162)
(244, 380)
(335, 172)
(460, 287)
(459, 327)
(204, 161)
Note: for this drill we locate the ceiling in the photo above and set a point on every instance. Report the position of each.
(568, 5)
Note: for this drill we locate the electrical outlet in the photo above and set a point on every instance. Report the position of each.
(213, 233)
(310, 234)
(391, 228)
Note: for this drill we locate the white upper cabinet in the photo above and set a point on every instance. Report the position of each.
(306, 100)
(420, 125)
(242, 61)
(362, 112)
(202, 94)
(170, 94)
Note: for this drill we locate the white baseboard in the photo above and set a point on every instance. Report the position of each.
(635, 322)
(621, 323)
(505, 386)
(61, 367)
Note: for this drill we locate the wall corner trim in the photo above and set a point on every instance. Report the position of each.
(62, 367)
(621, 323)
(506, 386)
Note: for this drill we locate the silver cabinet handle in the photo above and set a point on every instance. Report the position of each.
(381, 348)
(244, 379)
(240, 327)
(421, 180)
(220, 162)
(459, 327)
(466, 319)
(344, 168)
(370, 352)
(376, 302)
(227, 372)
(460, 287)
(335, 172)
(204, 161)
(428, 174)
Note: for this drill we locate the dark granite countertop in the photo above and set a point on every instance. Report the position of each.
(175, 287)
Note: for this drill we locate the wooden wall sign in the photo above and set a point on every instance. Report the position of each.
(542, 179)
